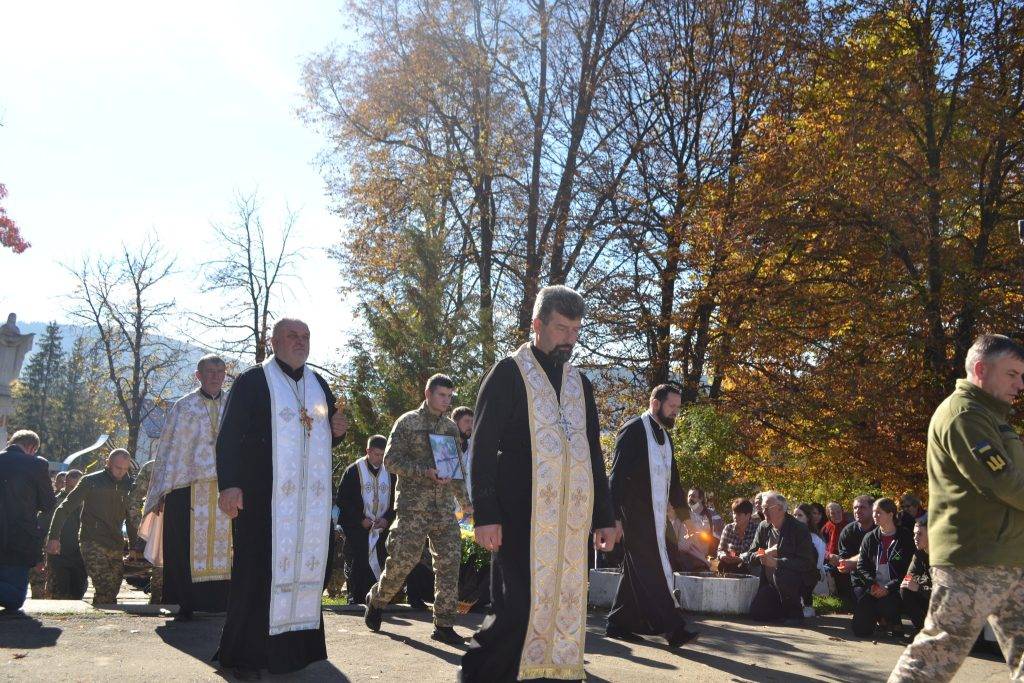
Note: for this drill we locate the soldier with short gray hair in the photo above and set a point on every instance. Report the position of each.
(975, 519)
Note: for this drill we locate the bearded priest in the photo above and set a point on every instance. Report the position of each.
(274, 473)
(539, 488)
(645, 492)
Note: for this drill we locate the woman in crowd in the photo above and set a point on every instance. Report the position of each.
(737, 536)
(885, 555)
(803, 514)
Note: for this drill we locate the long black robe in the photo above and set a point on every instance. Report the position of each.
(245, 460)
(204, 596)
(643, 603)
(358, 575)
(502, 453)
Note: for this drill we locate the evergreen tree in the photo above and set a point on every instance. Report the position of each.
(84, 404)
(34, 407)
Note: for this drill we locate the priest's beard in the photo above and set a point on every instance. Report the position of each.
(561, 353)
(664, 420)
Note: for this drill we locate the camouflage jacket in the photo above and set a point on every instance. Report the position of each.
(409, 456)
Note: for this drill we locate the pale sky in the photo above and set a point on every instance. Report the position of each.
(120, 118)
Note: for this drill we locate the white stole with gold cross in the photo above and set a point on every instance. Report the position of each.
(563, 501)
(376, 492)
(300, 511)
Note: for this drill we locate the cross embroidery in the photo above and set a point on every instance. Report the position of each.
(566, 426)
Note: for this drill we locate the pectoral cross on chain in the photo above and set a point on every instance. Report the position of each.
(563, 422)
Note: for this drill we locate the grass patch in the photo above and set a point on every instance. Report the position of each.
(339, 601)
(827, 604)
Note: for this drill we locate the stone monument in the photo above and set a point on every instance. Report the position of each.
(13, 347)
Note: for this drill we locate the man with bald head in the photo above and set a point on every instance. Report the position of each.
(274, 476)
(103, 499)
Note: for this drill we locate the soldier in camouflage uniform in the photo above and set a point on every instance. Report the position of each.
(424, 509)
(103, 497)
(136, 501)
(65, 573)
(975, 519)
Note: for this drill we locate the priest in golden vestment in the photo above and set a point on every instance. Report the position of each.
(537, 434)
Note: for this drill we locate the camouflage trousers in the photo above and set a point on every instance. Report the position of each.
(962, 599)
(105, 567)
(405, 548)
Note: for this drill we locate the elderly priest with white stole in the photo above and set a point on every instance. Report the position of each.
(274, 473)
(539, 487)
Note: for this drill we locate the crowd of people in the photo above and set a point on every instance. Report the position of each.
(237, 513)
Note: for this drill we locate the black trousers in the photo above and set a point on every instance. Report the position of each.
(778, 597)
(915, 605)
(869, 609)
(68, 579)
(844, 589)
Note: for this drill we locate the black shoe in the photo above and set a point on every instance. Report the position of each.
(243, 674)
(418, 605)
(681, 637)
(622, 634)
(372, 615)
(446, 634)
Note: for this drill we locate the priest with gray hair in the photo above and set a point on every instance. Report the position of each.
(185, 530)
(789, 562)
(274, 474)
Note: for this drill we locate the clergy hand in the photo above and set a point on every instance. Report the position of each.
(230, 501)
(604, 539)
(53, 547)
(339, 424)
(769, 561)
(380, 523)
(367, 523)
(488, 536)
(159, 508)
(619, 533)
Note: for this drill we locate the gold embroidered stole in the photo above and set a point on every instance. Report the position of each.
(210, 530)
(563, 500)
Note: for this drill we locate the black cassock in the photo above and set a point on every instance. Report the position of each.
(502, 494)
(358, 575)
(203, 596)
(245, 460)
(643, 603)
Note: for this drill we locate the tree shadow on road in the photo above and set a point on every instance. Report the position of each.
(27, 633)
(199, 639)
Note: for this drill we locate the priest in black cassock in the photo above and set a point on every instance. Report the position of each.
(366, 499)
(274, 474)
(645, 492)
(539, 488)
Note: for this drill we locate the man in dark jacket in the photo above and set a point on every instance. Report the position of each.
(25, 494)
(784, 549)
(916, 589)
(66, 578)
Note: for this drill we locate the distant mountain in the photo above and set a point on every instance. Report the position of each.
(70, 333)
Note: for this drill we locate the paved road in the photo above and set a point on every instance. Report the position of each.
(119, 646)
